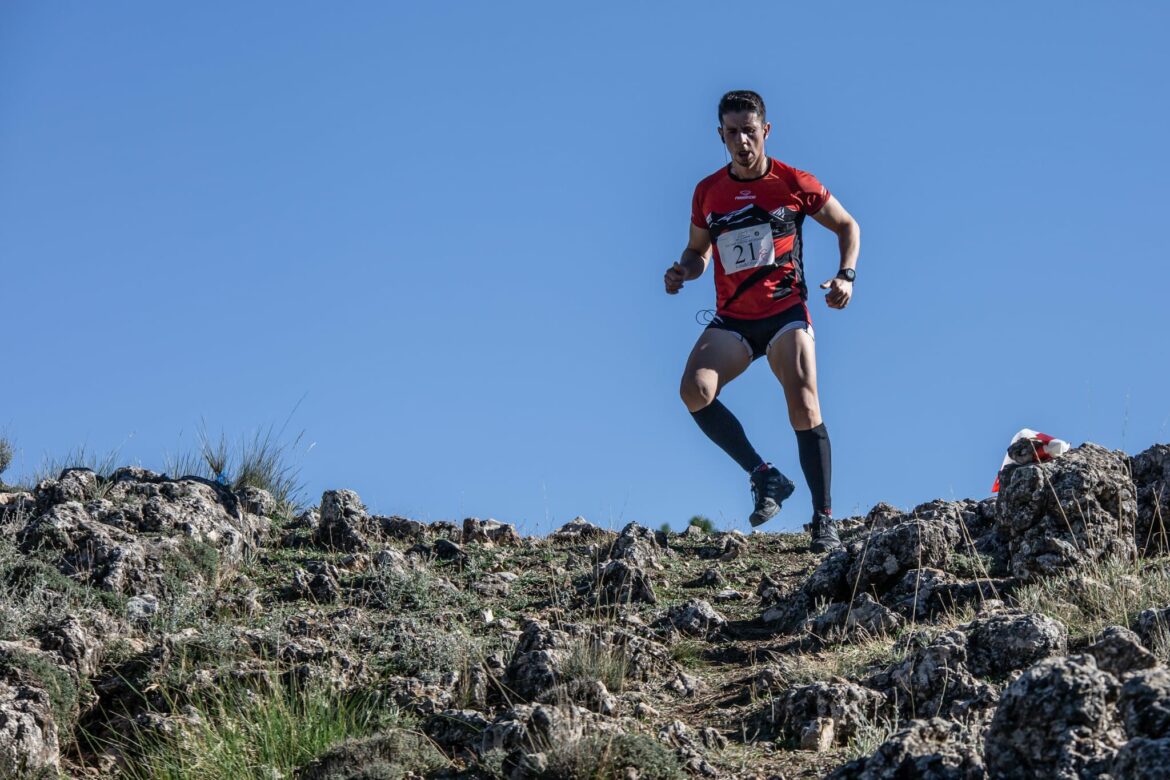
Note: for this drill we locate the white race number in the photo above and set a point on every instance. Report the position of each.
(747, 247)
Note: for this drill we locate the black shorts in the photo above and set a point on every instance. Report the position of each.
(758, 335)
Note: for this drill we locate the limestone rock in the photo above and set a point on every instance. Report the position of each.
(1151, 477)
(933, 749)
(1067, 513)
(861, 619)
(1003, 643)
(345, 526)
(1119, 651)
(1073, 735)
(1144, 704)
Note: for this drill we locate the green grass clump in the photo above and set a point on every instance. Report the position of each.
(591, 659)
(705, 524)
(609, 757)
(260, 732)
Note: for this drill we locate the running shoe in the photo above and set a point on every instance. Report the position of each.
(824, 534)
(769, 489)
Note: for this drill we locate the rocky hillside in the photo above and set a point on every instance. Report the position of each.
(158, 627)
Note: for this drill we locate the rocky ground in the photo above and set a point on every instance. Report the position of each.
(1018, 637)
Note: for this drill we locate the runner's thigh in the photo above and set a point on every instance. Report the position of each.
(717, 358)
(793, 359)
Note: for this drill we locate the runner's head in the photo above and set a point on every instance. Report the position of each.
(743, 126)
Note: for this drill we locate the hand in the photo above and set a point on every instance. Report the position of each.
(675, 276)
(839, 292)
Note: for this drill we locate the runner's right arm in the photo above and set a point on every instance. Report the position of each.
(693, 262)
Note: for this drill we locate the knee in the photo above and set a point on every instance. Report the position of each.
(697, 393)
(804, 411)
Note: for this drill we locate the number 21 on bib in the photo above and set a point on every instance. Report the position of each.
(747, 247)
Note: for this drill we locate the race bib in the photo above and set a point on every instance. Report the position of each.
(748, 247)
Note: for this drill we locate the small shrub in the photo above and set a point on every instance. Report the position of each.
(591, 659)
(705, 524)
(257, 731)
(1109, 592)
(6, 453)
(609, 757)
(870, 734)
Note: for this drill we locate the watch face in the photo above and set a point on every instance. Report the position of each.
(848, 274)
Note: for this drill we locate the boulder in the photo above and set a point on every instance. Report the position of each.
(1119, 651)
(1151, 477)
(1144, 704)
(620, 582)
(1055, 721)
(345, 526)
(859, 620)
(920, 541)
(1067, 513)
(846, 705)
(579, 531)
(1142, 759)
(490, 532)
(933, 749)
(640, 547)
(934, 680)
(696, 618)
(1003, 643)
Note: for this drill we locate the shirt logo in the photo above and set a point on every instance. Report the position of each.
(745, 195)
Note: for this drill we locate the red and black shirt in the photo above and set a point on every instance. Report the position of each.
(756, 224)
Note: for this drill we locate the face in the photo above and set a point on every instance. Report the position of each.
(744, 135)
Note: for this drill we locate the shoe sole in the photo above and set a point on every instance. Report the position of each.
(756, 520)
(820, 548)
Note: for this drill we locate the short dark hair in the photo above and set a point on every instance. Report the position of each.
(741, 100)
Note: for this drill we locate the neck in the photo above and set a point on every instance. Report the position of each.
(753, 172)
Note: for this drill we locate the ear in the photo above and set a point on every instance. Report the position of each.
(720, 131)
(767, 129)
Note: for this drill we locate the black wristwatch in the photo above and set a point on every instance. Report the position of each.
(848, 274)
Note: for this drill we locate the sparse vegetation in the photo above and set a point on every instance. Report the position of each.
(705, 524)
(1110, 592)
(254, 731)
(591, 659)
(609, 757)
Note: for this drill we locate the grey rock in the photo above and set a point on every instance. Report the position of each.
(696, 618)
(579, 530)
(710, 578)
(1070, 512)
(590, 694)
(1142, 759)
(621, 582)
(490, 532)
(400, 529)
(1153, 626)
(533, 727)
(934, 680)
(846, 704)
(455, 728)
(1144, 704)
(1055, 721)
(861, 619)
(1119, 652)
(1151, 477)
(256, 501)
(29, 742)
(345, 526)
(640, 547)
(933, 749)
(1003, 643)
(919, 541)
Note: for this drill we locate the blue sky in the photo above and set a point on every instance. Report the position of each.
(442, 230)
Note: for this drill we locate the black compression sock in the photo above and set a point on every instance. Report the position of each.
(816, 461)
(721, 427)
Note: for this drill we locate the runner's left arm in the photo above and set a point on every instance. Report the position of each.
(834, 216)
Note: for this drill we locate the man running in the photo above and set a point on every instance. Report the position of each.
(750, 213)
